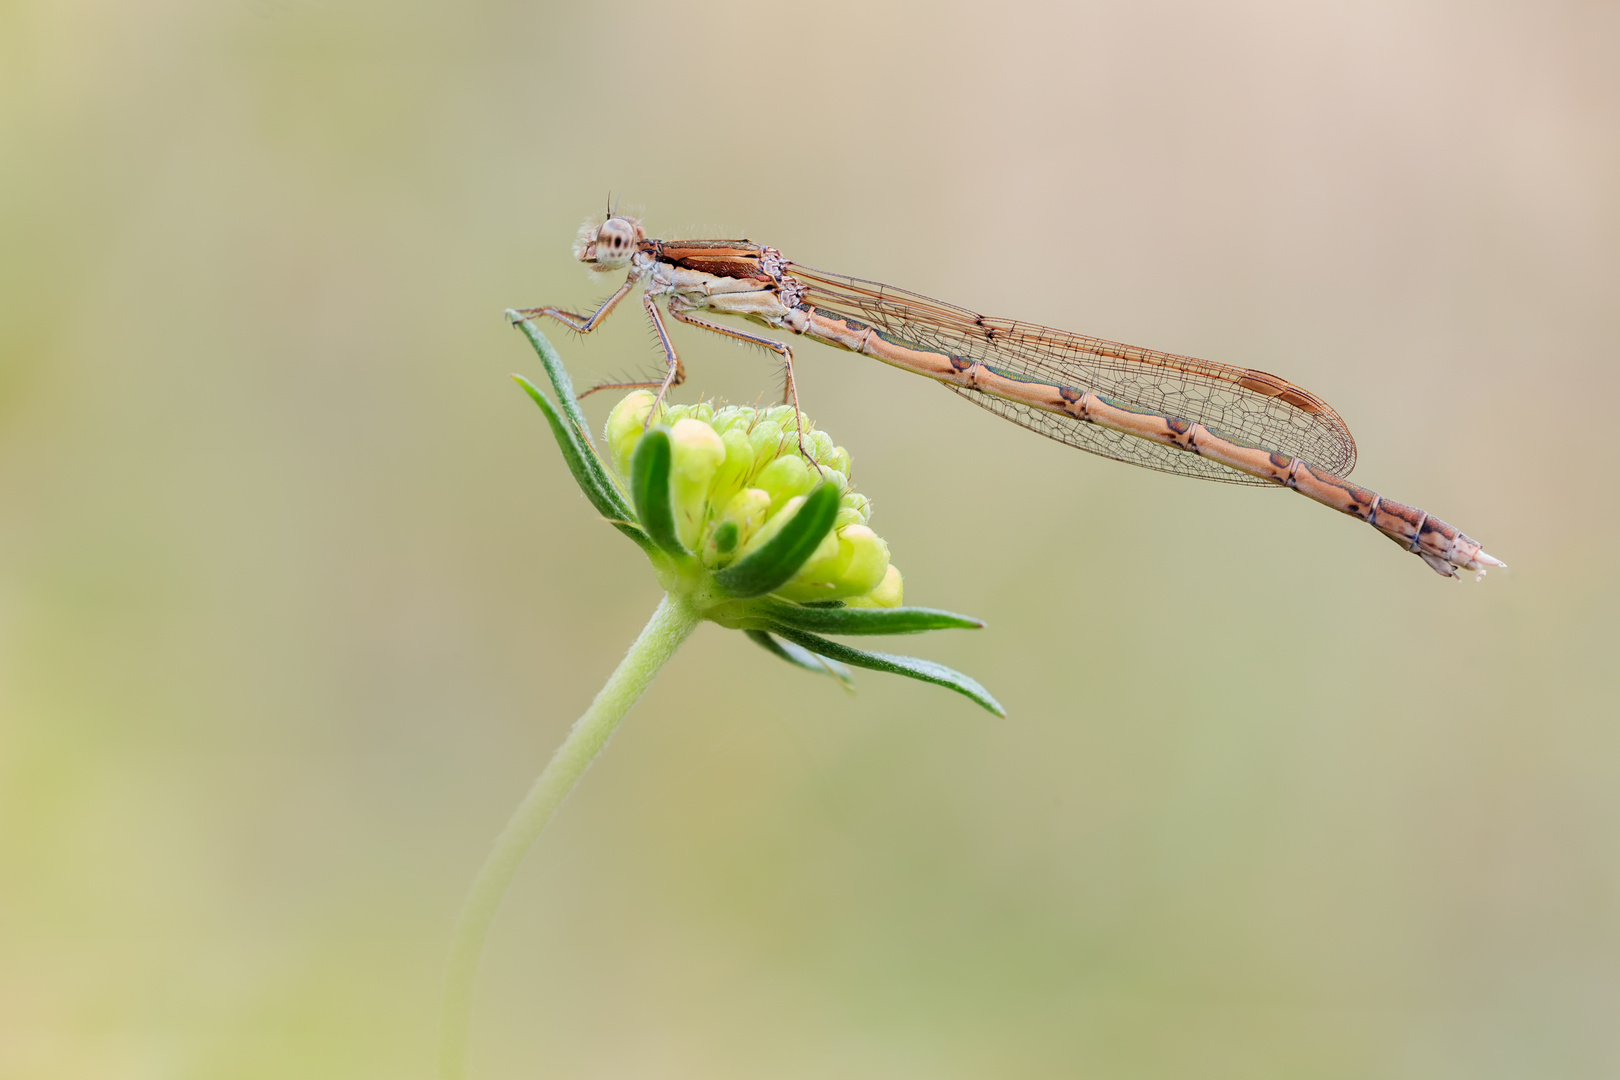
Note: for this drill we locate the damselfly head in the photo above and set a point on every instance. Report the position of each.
(610, 245)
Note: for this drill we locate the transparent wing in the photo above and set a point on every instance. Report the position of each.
(1240, 404)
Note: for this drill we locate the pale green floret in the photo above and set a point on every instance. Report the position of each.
(744, 513)
(820, 445)
(698, 454)
(886, 595)
(865, 558)
(737, 477)
(735, 470)
(733, 416)
(836, 479)
(766, 436)
(624, 427)
(856, 563)
(776, 518)
(786, 478)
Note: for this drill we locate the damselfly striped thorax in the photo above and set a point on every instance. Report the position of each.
(1173, 413)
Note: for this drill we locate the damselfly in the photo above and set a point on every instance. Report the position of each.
(1173, 413)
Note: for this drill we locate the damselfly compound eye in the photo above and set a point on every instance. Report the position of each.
(615, 243)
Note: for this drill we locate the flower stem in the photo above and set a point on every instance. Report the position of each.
(670, 625)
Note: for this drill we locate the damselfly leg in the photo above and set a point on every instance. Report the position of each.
(790, 389)
(675, 373)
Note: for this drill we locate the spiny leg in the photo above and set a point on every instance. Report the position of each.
(790, 394)
(677, 370)
(580, 322)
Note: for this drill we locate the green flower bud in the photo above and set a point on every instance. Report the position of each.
(888, 594)
(865, 560)
(820, 445)
(723, 541)
(735, 470)
(730, 416)
(698, 453)
(818, 569)
(775, 520)
(785, 478)
(856, 565)
(767, 439)
(740, 518)
(624, 427)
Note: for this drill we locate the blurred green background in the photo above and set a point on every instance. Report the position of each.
(296, 595)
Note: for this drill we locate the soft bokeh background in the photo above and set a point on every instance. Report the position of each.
(296, 595)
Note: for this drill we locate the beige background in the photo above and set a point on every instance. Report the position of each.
(296, 595)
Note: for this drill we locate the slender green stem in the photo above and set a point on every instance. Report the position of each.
(670, 625)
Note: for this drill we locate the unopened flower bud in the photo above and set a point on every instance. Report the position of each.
(735, 470)
(698, 452)
(784, 478)
(740, 518)
(890, 592)
(820, 445)
(774, 522)
(767, 439)
(730, 416)
(625, 425)
(856, 566)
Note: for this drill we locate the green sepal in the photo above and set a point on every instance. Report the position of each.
(799, 656)
(823, 619)
(909, 666)
(649, 487)
(774, 564)
(587, 469)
